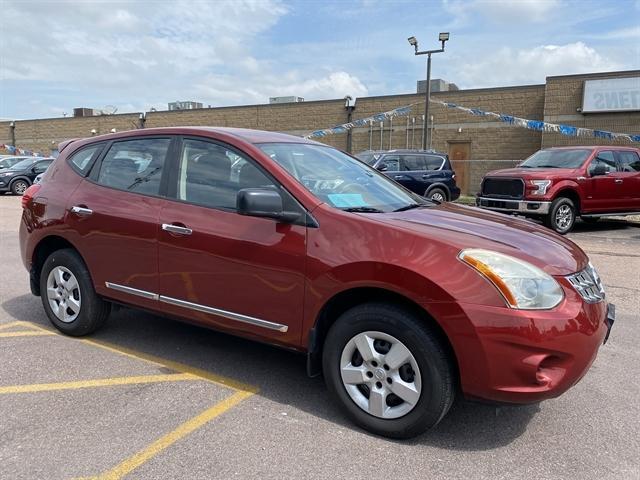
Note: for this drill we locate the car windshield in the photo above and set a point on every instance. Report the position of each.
(340, 180)
(21, 165)
(556, 159)
(368, 158)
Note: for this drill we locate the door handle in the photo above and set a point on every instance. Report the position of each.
(176, 229)
(81, 211)
(618, 180)
(398, 177)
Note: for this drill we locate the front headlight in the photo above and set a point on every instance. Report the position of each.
(522, 285)
(6, 174)
(541, 185)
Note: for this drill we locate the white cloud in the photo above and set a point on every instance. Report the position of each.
(509, 66)
(502, 11)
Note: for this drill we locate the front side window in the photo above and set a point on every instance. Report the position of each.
(629, 161)
(391, 162)
(211, 175)
(605, 159)
(80, 160)
(135, 165)
(559, 158)
(340, 180)
(41, 167)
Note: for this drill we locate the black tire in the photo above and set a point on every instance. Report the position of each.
(437, 192)
(590, 220)
(19, 186)
(562, 215)
(93, 310)
(436, 368)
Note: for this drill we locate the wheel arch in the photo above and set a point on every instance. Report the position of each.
(45, 247)
(347, 299)
(21, 177)
(572, 194)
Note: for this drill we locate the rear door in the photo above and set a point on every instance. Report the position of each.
(603, 191)
(220, 268)
(629, 175)
(114, 216)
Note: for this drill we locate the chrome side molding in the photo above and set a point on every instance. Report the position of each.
(132, 291)
(238, 317)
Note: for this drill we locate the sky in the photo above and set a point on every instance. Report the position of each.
(137, 55)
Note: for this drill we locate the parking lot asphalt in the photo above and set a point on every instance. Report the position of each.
(148, 397)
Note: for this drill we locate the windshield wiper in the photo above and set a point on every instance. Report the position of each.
(363, 210)
(547, 166)
(409, 207)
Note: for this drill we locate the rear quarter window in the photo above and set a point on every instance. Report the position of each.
(80, 161)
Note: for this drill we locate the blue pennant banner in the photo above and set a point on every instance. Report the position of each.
(19, 151)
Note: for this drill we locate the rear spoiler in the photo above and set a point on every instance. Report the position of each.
(66, 143)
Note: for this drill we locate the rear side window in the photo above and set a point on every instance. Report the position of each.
(629, 161)
(81, 160)
(413, 162)
(135, 165)
(434, 162)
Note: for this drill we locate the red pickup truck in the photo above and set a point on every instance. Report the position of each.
(562, 183)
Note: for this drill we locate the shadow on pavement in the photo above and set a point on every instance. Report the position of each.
(280, 374)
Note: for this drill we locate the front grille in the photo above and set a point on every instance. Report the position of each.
(588, 284)
(503, 187)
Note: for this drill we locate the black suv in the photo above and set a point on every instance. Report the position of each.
(424, 172)
(19, 177)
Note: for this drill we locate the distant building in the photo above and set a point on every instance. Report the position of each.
(437, 85)
(186, 105)
(292, 99)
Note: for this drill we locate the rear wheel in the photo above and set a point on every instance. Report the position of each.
(68, 296)
(388, 370)
(19, 186)
(562, 215)
(437, 194)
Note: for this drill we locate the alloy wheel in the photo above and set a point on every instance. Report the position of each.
(380, 375)
(20, 187)
(437, 196)
(564, 217)
(63, 293)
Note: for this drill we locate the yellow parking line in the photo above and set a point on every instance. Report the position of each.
(144, 455)
(102, 382)
(163, 362)
(24, 333)
(10, 324)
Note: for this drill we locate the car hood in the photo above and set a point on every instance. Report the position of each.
(530, 172)
(460, 227)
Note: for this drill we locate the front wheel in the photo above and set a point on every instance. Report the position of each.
(19, 187)
(562, 215)
(68, 296)
(388, 370)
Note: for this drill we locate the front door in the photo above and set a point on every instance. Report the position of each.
(114, 218)
(604, 192)
(220, 268)
(459, 154)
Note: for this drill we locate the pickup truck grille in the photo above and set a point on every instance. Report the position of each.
(503, 188)
(588, 284)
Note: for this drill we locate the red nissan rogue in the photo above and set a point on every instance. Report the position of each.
(400, 302)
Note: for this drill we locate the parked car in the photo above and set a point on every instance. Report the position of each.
(8, 161)
(400, 302)
(562, 183)
(424, 172)
(20, 176)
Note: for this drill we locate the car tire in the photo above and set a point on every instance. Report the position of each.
(18, 187)
(68, 296)
(562, 215)
(425, 376)
(436, 194)
(590, 220)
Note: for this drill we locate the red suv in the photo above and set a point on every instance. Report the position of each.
(558, 184)
(400, 302)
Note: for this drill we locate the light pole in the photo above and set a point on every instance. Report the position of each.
(443, 37)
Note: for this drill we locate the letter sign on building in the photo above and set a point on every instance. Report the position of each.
(611, 95)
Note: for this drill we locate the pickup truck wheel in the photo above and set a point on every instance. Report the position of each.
(68, 296)
(562, 215)
(388, 370)
(437, 194)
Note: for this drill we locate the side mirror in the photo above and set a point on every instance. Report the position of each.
(598, 170)
(383, 167)
(262, 202)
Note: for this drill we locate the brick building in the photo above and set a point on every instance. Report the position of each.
(475, 144)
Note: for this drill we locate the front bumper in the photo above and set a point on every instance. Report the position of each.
(524, 357)
(519, 206)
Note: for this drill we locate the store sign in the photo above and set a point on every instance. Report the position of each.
(611, 95)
